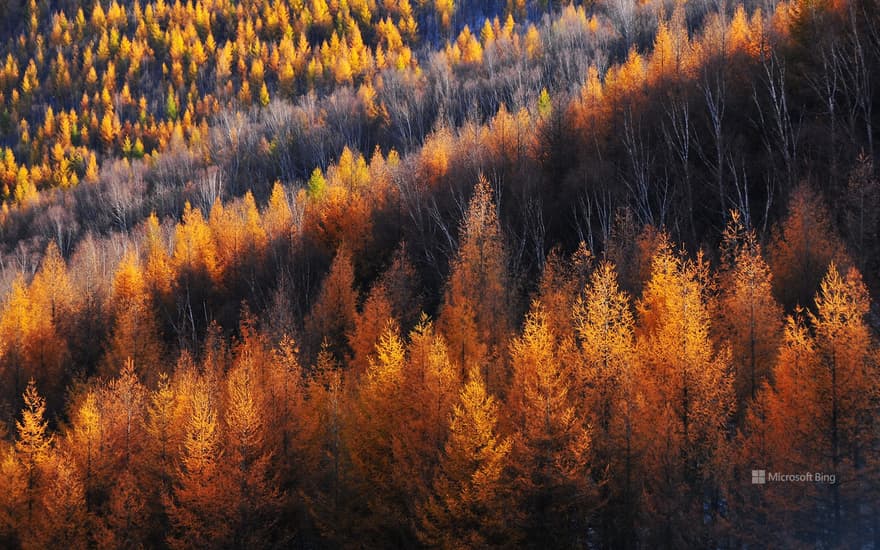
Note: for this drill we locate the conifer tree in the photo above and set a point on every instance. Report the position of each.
(135, 334)
(323, 448)
(552, 448)
(750, 317)
(13, 497)
(611, 399)
(824, 425)
(255, 497)
(333, 314)
(802, 247)
(368, 327)
(689, 384)
(469, 504)
(474, 317)
(33, 446)
(63, 520)
(377, 413)
(199, 508)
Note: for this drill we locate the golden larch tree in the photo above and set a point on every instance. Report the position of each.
(802, 247)
(825, 425)
(377, 415)
(551, 450)
(469, 504)
(195, 253)
(369, 325)
(199, 507)
(63, 520)
(85, 441)
(430, 389)
(255, 498)
(158, 270)
(323, 449)
(689, 385)
(474, 315)
(610, 397)
(135, 332)
(333, 314)
(13, 496)
(750, 318)
(34, 448)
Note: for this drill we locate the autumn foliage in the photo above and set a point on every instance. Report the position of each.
(283, 273)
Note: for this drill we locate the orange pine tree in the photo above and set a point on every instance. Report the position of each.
(468, 505)
(474, 317)
(551, 447)
(750, 318)
(199, 508)
(823, 426)
(690, 387)
(332, 316)
(610, 394)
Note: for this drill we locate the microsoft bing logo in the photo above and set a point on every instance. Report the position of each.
(759, 477)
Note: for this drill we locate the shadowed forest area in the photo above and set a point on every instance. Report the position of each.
(399, 274)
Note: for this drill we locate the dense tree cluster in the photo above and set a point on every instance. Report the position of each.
(458, 274)
(605, 419)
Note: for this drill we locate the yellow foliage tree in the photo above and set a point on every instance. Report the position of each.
(254, 495)
(135, 332)
(815, 418)
(277, 218)
(610, 392)
(159, 273)
(688, 381)
(33, 447)
(469, 45)
(750, 317)
(199, 507)
(469, 505)
(64, 519)
(802, 247)
(333, 313)
(371, 435)
(552, 448)
(369, 324)
(194, 248)
(663, 62)
(474, 317)
(31, 319)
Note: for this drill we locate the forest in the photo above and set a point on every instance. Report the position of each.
(438, 273)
